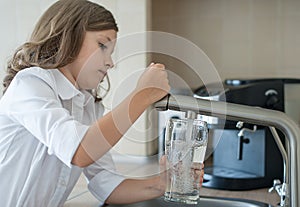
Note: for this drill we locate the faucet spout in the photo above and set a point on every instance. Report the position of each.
(252, 115)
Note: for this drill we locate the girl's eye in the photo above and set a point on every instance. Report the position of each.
(102, 46)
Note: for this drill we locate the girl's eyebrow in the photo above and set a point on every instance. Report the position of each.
(105, 37)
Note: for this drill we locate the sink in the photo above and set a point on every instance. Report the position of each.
(204, 202)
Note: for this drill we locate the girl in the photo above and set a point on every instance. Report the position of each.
(49, 132)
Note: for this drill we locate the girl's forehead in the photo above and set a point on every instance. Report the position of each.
(109, 35)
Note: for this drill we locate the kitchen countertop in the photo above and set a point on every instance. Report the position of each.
(86, 199)
(138, 167)
(147, 166)
(261, 195)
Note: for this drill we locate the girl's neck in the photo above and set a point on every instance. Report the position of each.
(67, 73)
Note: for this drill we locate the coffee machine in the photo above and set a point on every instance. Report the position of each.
(246, 156)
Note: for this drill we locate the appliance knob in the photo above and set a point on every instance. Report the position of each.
(272, 98)
(272, 101)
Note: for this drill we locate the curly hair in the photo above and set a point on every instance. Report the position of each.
(58, 36)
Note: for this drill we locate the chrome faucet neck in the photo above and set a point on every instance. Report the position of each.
(252, 115)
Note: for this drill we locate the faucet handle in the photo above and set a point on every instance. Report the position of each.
(239, 124)
(276, 185)
(282, 191)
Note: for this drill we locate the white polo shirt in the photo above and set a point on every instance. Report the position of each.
(43, 118)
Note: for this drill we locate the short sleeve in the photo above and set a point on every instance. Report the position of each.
(36, 107)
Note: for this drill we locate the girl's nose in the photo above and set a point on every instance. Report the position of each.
(109, 63)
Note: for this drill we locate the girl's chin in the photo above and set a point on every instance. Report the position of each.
(91, 83)
(88, 86)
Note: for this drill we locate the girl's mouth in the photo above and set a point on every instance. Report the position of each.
(103, 72)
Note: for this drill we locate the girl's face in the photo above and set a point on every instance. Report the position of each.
(93, 60)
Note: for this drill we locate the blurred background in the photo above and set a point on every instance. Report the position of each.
(242, 38)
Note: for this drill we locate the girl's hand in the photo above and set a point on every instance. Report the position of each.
(163, 174)
(153, 84)
(201, 173)
(198, 171)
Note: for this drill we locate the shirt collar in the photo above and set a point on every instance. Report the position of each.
(65, 89)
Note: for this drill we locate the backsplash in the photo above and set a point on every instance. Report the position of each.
(243, 38)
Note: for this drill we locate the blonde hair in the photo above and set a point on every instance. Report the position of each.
(58, 36)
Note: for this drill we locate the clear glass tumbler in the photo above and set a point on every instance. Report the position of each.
(185, 146)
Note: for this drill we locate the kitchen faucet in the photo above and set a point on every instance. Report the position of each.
(281, 188)
(289, 192)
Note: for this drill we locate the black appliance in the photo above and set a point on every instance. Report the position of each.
(251, 159)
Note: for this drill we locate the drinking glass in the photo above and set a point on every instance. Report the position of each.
(185, 146)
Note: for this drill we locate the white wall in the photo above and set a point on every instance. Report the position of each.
(132, 19)
(17, 21)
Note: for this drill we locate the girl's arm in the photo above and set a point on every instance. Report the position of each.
(133, 190)
(107, 131)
